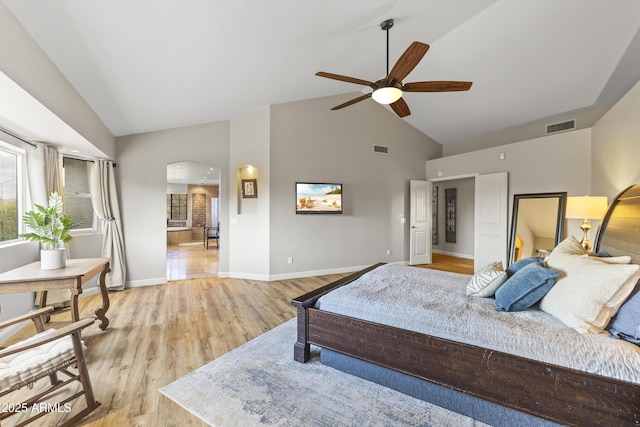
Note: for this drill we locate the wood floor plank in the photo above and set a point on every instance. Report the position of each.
(160, 333)
(450, 263)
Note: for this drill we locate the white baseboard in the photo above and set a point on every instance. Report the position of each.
(298, 274)
(245, 276)
(467, 256)
(287, 276)
(282, 276)
(311, 273)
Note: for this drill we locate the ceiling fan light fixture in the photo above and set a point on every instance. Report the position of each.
(388, 90)
(386, 95)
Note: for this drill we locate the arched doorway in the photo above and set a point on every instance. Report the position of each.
(193, 205)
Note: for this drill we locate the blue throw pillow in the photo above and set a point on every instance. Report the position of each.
(525, 288)
(518, 265)
(602, 253)
(626, 323)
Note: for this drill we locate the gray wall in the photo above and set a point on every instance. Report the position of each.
(141, 174)
(558, 162)
(13, 256)
(22, 60)
(616, 147)
(299, 141)
(249, 217)
(311, 143)
(584, 120)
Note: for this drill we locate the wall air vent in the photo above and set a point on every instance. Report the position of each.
(380, 149)
(561, 127)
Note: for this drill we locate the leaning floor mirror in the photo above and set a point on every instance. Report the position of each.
(537, 224)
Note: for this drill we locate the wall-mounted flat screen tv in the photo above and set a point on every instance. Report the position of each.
(318, 198)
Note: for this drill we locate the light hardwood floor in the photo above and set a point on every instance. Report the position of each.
(160, 333)
(192, 261)
(450, 263)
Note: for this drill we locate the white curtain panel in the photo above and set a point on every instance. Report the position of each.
(44, 174)
(104, 198)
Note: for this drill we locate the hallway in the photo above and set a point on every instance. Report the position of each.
(191, 261)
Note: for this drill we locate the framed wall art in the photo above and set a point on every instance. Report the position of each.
(249, 188)
(450, 196)
(434, 215)
(318, 198)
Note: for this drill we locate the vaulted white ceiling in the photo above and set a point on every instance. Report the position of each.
(150, 65)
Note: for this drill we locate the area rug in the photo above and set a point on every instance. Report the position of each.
(260, 383)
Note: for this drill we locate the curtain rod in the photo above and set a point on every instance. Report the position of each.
(67, 156)
(87, 160)
(35, 146)
(17, 137)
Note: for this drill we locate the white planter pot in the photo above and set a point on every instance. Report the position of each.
(53, 259)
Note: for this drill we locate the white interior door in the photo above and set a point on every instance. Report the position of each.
(420, 222)
(491, 209)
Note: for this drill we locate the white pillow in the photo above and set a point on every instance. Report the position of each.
(564, 253)
(590, 293)
(623, 259)
(487, 280)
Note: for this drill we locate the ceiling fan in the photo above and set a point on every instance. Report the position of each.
(389, 89)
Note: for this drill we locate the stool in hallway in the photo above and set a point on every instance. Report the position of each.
(211, 233)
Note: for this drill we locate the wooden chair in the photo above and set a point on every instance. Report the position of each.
(45, 354)
(212, 233)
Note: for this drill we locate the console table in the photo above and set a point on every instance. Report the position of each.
(31, 278)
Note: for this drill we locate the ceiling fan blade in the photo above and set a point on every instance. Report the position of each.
(400, 107)
(436, 86)
(353, 101)
(345, 79)
(408, 61)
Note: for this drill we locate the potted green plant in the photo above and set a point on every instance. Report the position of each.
(51, 228)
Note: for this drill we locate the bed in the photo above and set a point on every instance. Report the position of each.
(498, 383)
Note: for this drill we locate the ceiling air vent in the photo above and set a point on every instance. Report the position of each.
(561, 127)
(380, 149)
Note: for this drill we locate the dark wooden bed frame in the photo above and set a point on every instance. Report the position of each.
(551, 392)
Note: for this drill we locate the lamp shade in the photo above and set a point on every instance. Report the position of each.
(586, 207)
(386, 95)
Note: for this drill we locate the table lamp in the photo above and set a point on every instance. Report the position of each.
(586, 208)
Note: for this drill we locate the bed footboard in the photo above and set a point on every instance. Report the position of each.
(559, 394)
(301, 349)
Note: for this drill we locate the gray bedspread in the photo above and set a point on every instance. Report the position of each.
(434, 303)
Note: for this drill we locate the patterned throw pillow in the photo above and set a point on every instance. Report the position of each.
(487, 280)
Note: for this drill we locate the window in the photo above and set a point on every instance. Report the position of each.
(11, 159)
(77, 197)
(177, 206)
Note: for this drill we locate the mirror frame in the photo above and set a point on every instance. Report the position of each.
(562, 208)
